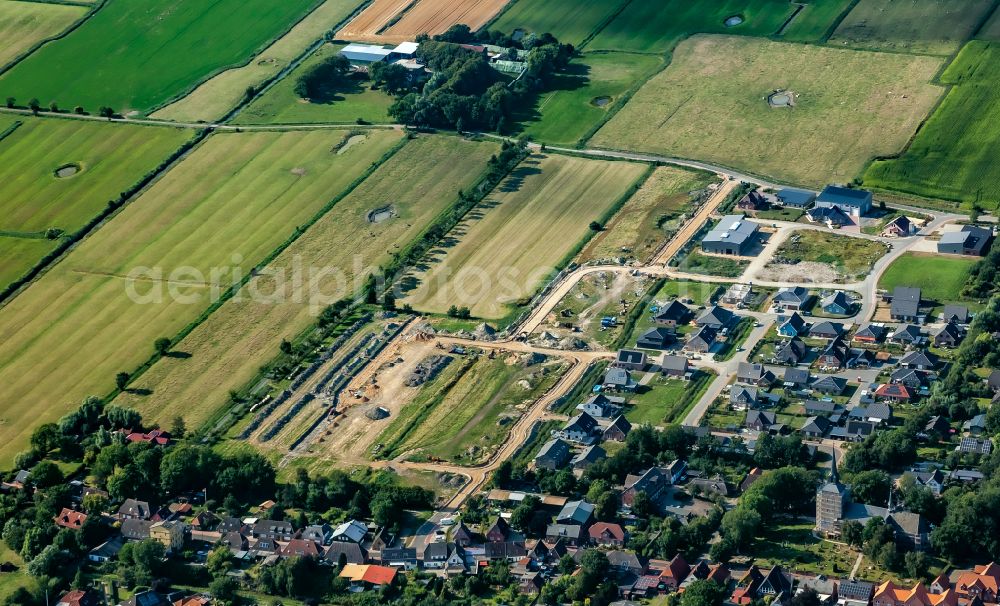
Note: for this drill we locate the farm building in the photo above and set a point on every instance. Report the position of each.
(365, 54)
(796, 198)
(733, 235)
(972, 240)
(854, 202)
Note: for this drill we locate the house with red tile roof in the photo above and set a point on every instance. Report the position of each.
(890, 594)
(983, 582)
(365, 576)
(606, 533)
(68, 518)
(677, 570)
(78, 598)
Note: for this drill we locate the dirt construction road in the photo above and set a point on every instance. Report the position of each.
(697, 221)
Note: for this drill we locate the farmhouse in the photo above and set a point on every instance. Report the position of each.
(733, 235)
(854, 202)
(972, 240)
(796, 198)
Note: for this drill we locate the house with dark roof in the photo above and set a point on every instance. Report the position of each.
(792, 326)
(703, 340)
(601, 406)
(630, 359)
(353, 553)
(795, 198)
(836, 304)
(899, 227)
(760, 420)
(879, 412)
(791, 352)
(972, 240)
(824, 409)
(587, 457)
(938, 427)
(816, 427)
(855, 202)
(921, 360)
(908, 335)
(133, 509)
(656, 338)
(910, 377)
(674, 366)
(732, 235)
(835, 355)
(582, 429)
(948, 336)
(830, 385)
(993, 381)
(959, 314)
(652, 482)
(717, 318)
(672, 314)
(793, 298)
(755, 374)
(905, 306)
(852, 431)
(753, 200)
(976, 426)
(617, 431)
(831, 217)
(796, 377)
(870, 334)
(826, 330)
(553, 455)
(742, 397)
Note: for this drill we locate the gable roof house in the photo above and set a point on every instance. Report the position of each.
(900, 227)
(132, 509)
(820, 408)
(831, 217)
(674, 366)
(796, 377)
(652, 482)
(742, 397)
(587, 457)
(353, 553)
(837, 304)
(949, 335)
(830, 385)
(351, 531)
(619, 379)
(601, 406)
(826, 330)
(907, 335)
(921, 360)
(630, 359)
(895, 392)
(792, 326)
(580, 428)
(835, 355)
(760, 420)
(870, 334)
(755, 374)
(672, 314)
(753, 200)
(816, 427)
(655, 338)
(717, 317)
(702, 340)
(796, 198)
(910, 377)
(68, 518)
(905, 306)
(791, 352)
(553, 455)
(618, 430)
(972, 240)
(605, 533)
(793, 298)
(959, 314)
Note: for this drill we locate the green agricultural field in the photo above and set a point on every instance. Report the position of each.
(710, 104)
(521, 233)
(227, 350)
(280, 104)
(108, 159)
(138, 54)
(18, 255)
(461, 414)
(232, 202)
(649, 217)
(657, 26)
(815, 21)
(25, 24)
(583, 95)
(939, 278)
(990, 29)
(570, 21)
(919, 26)
(214, 98)
(951, 157)
(850, 257)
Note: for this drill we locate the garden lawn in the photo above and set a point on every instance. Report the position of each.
(139, 54)
(461, 414)
(348, 103)
(520, 234)
(570, 21)
(912, 26)
(710, 104)
(939, 278)
(18, 255)
(12, 581)
(664, 401)
(232, 202)
(227, 350)
(815, 21)
(657, 26)
(214, 98)
(582, 96)
(951, 157)
(649, 217)
(25, 24)
(110, 158)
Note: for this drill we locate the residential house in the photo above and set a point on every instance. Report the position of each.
(983, 446)
(836, 304)
(155, 437)
(833, 218)
(320, 533)
(753, 200)
(703, 340)
(835, 355)
(733, 235)
(170, 533)
(796, 378)
(363, 577)
(908, 335)
(499, 532)
(659, 337)
(619, 379)
(601, 406)
(972, 240)
(899, 227)
(630, 359)
(934, 479)
(707, 486)
(905, 306)
(938, 428)
(581, 429)
(674, 573)
(948, 336)
(132, 509)
(879, 412)
(981, 582)
(398, 557)
(350, 553)
(674, 366)
(738, 295)
(795, 198)
(752, 477)
(301, 548)
(576, 512)
(870, 334)
(742, 397)
(755, 374)
(791, 352)
(826, 330)
(607, 534)
(717, 318)
(280, 530)
(890, 594)
(510, 551)
(816, 427)
(79, 597)
(68, 518)
(976, 426)
(853, 431)
(854, 202)
(553, 455)
(894, 392)
(792, 326)
(652, 482)
(824, 409)
(830, 385)
(910, 377)
(106, 551)
(624, 562)
(792, 299)
(959, 314)
(587, 457)
(920, 360)
(618, 430)
(760, 420)
(135, 529)
(672, 315)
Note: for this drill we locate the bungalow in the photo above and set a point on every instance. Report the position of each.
(879, 412)
(907, 335)
(630, 359)
(816, 427)
(823, 409)
(717, 318)
(619, 379)
(853, 431)
(581, 429)
(367, 576)
(755, 374)
(656, 338)
(674, 366)
(792, 326)
(617, 431)
(703, 340)
(870, 334)
(921, 360)
(949, 335)
(796, 377)
(795, 198)
(587, 457)
(830, 385)
(831, 217)
(826, 330)
(976, 426)
(794, 298)
(760, 420)
(606, 533)
(959, 314)
(905, 306)
(791, 353)
(672, 315)
(894, 392)
(910, 377)
(601, 406)
(837, 304)
(106, 551)
(553, 455)
(900, 227)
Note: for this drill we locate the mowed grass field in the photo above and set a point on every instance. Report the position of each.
(215, 97)
(510, 243)
(570, 21)
(953, 156)
(25, 24)
(922, 26)
(815, 21)
(940, 278)
(138, 54)
(18, 255)
(641, 225)
(583, 95)
(232, 201)
(227, 350)
(710, 104)
(110, 158)
(280, 104)
(645, 27)
(460, 416)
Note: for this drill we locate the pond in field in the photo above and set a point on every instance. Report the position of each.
(733, 21)
(67, 170)
(600, 101)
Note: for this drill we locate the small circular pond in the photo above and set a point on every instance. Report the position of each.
(733, 20)
(67, 170)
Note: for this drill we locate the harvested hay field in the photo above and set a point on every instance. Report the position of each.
(937, 27)
(394, 21)
(953, 156)
(372, 20)
(650, 217)
(461, 415)
(228, 349)
(710, 104)
(25, 24)
(215, 97)
(520, 234)
(109, 158)
(68, 334)
(135, 55)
